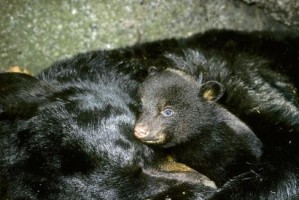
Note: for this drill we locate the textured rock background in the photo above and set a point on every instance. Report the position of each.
(34, 33)
(285, 11)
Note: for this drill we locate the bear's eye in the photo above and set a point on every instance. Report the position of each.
(167, 112)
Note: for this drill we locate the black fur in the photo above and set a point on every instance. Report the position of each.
(73, 140)
(258, 71)
(195, 129)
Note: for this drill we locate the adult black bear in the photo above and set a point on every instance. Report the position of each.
(180, 115)
(258, 71)
(73, 140)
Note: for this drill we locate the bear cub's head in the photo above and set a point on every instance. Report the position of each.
(175, 106)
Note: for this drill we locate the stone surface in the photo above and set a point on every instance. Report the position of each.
(285, 11)
(34, 33)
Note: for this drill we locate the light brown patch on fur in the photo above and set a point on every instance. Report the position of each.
(171, 166)
(18, 69)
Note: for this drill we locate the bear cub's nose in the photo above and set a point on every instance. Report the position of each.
(141, 131)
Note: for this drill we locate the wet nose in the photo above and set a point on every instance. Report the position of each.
(141, 131)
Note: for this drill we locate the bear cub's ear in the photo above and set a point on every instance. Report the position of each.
(211, 91)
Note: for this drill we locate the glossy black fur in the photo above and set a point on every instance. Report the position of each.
(199, 132)
(258, 71)
(73, 140)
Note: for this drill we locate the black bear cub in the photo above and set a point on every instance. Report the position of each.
(181, 115)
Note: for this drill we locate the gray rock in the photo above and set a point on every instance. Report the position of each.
(34, 33)
(285, 11)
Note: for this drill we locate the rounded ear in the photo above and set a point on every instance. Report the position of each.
(152, 70)
(211, 91)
